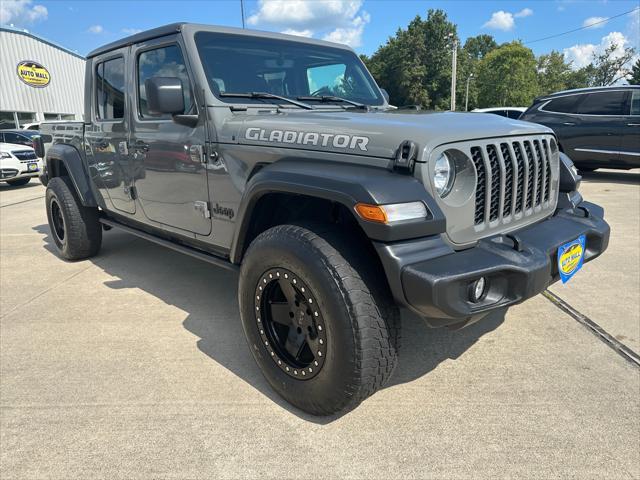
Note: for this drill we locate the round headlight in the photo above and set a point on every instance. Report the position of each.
(443, 174)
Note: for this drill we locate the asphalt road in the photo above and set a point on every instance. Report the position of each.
(134, 365)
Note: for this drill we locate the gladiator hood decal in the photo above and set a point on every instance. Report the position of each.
(373, 134)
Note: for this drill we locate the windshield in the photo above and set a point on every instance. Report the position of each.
(245, 64)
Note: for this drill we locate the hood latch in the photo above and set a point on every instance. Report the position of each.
(406, 157)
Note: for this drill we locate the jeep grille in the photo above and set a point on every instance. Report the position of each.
(516, 184)
(512, 176)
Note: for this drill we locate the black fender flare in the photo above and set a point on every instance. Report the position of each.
(346, 184)
(72, 160)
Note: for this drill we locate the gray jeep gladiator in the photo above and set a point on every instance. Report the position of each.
(280, 157)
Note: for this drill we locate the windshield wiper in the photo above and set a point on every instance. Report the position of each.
(332, 98)
(267, 95)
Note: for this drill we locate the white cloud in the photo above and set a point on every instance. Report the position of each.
(500, 20)
(582, 54)
(525, 12)
(299, 33)
(594, 22)
(337, 20)
(21, 12)
(97, 29)
(505, 21)
(131, 31)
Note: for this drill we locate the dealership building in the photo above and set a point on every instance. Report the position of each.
(39, 80)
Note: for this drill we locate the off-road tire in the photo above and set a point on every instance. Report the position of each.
(81, 234)
(361, 321)
(19, 181)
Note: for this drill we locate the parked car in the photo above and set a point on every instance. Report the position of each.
(509, 112)
(596, 127)
(334, 212)
(19, 137)
(18, 164)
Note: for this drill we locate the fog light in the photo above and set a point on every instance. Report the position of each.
(477, 290)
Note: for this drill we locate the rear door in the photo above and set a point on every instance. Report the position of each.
(168, 157)
(107, 136)
(598, 127)
(630, 141)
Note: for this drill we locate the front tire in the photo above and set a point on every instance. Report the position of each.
(75, 229)
(319, 319)
(19, 182)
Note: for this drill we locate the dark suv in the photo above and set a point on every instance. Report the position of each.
(596, 127)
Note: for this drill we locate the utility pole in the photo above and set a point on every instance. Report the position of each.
(466, 95)
(242, 11)
(454, 68)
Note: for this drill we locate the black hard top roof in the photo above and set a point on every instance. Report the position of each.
(137, 38)
(177, 27)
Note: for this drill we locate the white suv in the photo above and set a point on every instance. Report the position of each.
(18, 164)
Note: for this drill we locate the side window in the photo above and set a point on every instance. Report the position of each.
(635, 102)
(162, 62)
(110, 89)
(604, 103)
(567, 104)
(16, 139)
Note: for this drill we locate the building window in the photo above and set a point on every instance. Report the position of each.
(26, 117)
(59, 116)
(7, 120)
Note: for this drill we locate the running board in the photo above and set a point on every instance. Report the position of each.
(192, 252)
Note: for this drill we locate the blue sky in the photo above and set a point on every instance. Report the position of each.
(364, 24)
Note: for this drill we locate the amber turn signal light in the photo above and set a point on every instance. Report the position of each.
(373, 213)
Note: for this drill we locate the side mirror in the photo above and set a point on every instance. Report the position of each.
(164, 95)
(38, 145)
(385, 94)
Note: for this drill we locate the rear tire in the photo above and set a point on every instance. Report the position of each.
(19, 182)
(75, 229)
(343, 323)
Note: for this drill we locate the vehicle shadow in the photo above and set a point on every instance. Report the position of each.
(208, 295)
(32, 184)
(607, 176)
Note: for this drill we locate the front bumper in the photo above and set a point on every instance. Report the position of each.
(517, 265)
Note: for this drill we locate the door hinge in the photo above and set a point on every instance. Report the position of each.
(203, 208)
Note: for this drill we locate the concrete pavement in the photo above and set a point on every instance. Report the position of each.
(134, 365)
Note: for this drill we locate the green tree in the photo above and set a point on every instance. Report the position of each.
(469, 56)
(554, 73)
(634, 78)
(608, 69)
(414, 66)
(507, 76)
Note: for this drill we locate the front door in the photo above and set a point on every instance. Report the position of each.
(107, 136)
(168, 158)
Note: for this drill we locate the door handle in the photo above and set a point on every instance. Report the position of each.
(568, 123)
(633, 124)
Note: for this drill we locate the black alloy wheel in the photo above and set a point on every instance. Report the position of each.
(58, 221)
(290, 324)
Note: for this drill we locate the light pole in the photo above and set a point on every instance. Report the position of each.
(454, 68)
(242, 11)
(466, 95)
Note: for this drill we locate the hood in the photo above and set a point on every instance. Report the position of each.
(376, 134)
(11, 147)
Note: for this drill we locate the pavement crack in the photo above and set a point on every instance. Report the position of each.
(21, 202)
(620, 348)
(45, 291)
